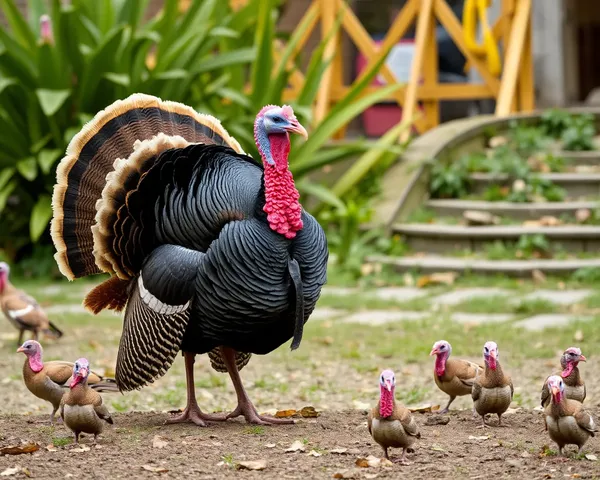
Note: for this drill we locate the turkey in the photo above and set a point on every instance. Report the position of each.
(208, 251)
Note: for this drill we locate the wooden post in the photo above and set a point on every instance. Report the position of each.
(526, 89)
(430, 74)
(423, 25)
(512, 61)
(328, 9)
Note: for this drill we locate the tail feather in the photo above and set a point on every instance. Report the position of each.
(294, 270)
(107, 385)
(104, 146)
(53, 331)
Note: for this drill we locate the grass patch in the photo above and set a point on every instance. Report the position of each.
(535, 306)
(61, 441)
(593, 301)
(254, 430)
(495, 304)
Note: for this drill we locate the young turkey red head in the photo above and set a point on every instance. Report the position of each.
(442, 350)
(490, 354)
(4, 271)
(81, 370)
(570, 359)
(556, 387)
(387, 385)
(271, 132)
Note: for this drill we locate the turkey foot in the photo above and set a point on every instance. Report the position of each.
(192, 412)
(245, 406)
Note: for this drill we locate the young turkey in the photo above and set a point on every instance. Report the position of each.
(208, 251)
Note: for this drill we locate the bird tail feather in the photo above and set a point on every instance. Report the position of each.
(106, 385)
(104, 162)
(53, 331)
(294, 270)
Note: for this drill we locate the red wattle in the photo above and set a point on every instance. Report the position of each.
(2, 281)
(558, 397)
(567, 371)
(76, 381)
(440, 364)
(35, 362)
(491, 362)
(386, 402)
(283, 210)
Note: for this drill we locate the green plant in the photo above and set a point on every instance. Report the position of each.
(495, 193)
(555, 163)
(90, 53)
(554, 122)
(543, 188)
(536, 245)
(526, 139)
(449, 180)
(579, 135)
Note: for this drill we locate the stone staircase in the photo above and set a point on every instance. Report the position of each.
(437, 246)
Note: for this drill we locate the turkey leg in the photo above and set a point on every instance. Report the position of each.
(245, 406)
(192, 412)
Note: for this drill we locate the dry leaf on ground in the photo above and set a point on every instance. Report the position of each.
(285, 413)
(252, 465)
(424, 408)
(338, 450)
(159, 442)
(481, 437)
(591, 456)
(270, 445)
(10, 471)
(314, 453)
(26, 447)
(309, 412)
(152, 468)
(347, 474)
(372, 461)
(297, 446)
(446, 278)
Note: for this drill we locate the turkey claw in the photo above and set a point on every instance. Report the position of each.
(252, 416)
(194, 415)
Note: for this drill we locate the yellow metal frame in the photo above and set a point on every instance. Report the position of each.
(513, 90)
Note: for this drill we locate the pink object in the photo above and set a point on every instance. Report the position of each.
(378, 119)
(386, 402)
(440, 363)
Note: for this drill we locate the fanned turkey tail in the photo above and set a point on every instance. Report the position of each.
(100, 202)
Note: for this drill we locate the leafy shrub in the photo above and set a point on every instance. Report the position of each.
(554, 122)
(579, 135)
(449, 181)
(82, 56)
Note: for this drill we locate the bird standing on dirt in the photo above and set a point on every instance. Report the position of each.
(81, 407)
(22, 310)
(454, 377)
(391, 424)
(50, 380)
(573, 383)
(566, 421)
(493, 391)
(209, 251)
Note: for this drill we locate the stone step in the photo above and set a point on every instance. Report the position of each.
(576, 184)
(513, 268)
(581, 158)
(436, 238)
(517, 211)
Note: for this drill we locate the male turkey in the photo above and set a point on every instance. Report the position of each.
(209, 251)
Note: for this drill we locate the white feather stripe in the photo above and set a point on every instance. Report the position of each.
(155, 304)
(19, 313)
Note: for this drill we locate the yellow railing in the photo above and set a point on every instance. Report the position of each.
(511, 85)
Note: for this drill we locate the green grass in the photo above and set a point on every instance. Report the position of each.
(254, 430)
(61, 441)
(493, 304)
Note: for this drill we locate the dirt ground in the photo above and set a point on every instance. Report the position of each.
(332, 443)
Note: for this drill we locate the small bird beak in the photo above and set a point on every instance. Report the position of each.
(388, 385)
(20, 349)
(83, 372)
(582, 358)
(493, 354)
(433, 352)
(295, 127)
(555, 390)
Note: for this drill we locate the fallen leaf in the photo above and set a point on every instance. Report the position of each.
(159, 442)
(81, 448)
(346, 474)
(51, 448)
(497, 141)
(251, 465)
(152, 468)
(424, 408)
(446, 278)
(591, 457)
(371, 461)
(28, 447)
(482, 437)
(270, 445)
(476, 217)
(285, 413)
(437, 448)
(526, 455)
(297, 446)
(314, 453)
(578, 337)
(10, 471)
(25, 471)
(362, 462)
(338, 450)
(309, 412)
(582, 215)
(538, 276)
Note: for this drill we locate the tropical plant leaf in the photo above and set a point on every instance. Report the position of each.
(52, 100)
(47, 159)
(40, 217)
(28, 168)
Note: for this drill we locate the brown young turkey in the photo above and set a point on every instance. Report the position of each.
(208, 251)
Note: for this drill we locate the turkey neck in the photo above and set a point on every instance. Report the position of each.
(281, 196)
(386, 402)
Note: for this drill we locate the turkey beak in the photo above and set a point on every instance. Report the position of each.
(295, 127)
(83, 372)
(555, 390)
(20, 349)
(434, 351)
(388, 385)
(582, 358)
